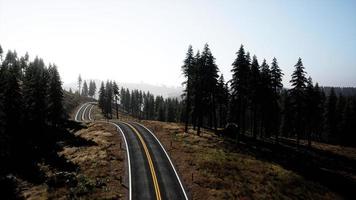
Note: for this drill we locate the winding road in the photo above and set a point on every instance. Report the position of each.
(152, 174)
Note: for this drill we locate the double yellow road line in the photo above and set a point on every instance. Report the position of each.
(150, 163)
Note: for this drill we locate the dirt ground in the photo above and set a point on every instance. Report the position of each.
(208, 167)
(100, 173)
(211, 171)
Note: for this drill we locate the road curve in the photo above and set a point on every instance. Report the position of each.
(151, 172)
(169, 182)
(84, 112)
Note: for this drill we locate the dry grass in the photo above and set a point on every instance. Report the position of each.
(97, 115)
(348, 152)
(101, 169)
(211, 171)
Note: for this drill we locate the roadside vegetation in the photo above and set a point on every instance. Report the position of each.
(43, 153)
(296, 135)
(98, 174)
(215, 168)
(247, 138)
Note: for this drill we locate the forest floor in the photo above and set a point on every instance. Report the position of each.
(216, 168)
(99, 169)
(213, 168)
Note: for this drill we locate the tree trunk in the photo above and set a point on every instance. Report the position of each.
(117, 108)
(199, 125)
(187, 111)
(214, 113)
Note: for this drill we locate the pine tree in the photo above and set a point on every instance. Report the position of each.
(79, 83)
(276, 77)
(160, 108)
(29, 113)
(170, 110)
(4, 139)
(340, 114)
(108, 99)
(11, 96)
(255, 96)
(348, 123)
(209, 74)
(197, 93)
(298, 81)
(85, 89)
(239, 88)
(115, 89)
(128, 101)
(331, 119)
(276, 83)
(287, 118)
(267, 102)
(55, 97)
(35, 92)
(188, 72)
(92, 89)
(310, 109)
(1, 52)
(102, 100)
(222, 101)
(318, 121)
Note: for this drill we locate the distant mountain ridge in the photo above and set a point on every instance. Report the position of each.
(165, 91)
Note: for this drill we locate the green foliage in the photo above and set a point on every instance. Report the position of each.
(85, 89)
(31, 112)
(92, 89)
(258, 104)
(202, 91)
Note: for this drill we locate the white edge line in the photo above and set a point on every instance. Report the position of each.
(76, 115)
(92, 105)
(181, 185)
(83, 115)
(128, 157)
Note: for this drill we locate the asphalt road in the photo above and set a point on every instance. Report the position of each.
(83, 113)
(151, 172)
(168, 180)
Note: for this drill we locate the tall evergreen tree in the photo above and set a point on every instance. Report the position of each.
(310, 109)
(255, 96)
(79, 83)
(197, 93)
(331, 116)
(116, 93)
(188, 72)
(222, 101)
(287, 115)
(28, 90)
(102, 97)
(276, 83)
(85, 90)
(209, 76)
(340, 116)
(267, 102)
(92, 89)
(55, 97)
(1, 52)
(35, 91)
(298, 81)
(318, 118)
(239, 87)
(11, 94)
(108, 99)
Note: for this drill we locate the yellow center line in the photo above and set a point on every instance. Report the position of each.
(150, 163)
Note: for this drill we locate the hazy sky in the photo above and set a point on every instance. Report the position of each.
(146, 41)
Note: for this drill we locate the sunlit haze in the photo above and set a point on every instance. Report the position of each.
(146, 41)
